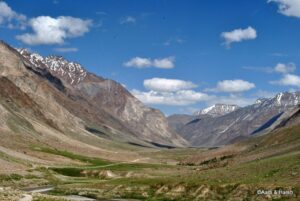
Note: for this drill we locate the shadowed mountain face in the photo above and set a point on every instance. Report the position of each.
(73, 99)
(177, 121)
(283, 138)
(242, 123)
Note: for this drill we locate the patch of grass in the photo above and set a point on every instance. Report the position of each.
(48, 175)
(124, 167)
(271, 173)
(213, 160)
(72, 172)
(31, 176)
(11, 177)
(85, 159)
(176, 154)
(42, 198)
(133, 167)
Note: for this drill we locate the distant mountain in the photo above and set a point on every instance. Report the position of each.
(282, 139)
(177, 121)
(217, 110)
(242, 123)
(71, 100)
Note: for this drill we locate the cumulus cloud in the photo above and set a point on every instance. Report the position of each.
(11, 18)
(167, 85)
(289, 8)
(285, 68)
(166, 63)
(288, 80)
(188, 97)
(66, 49)
(48, 30)
(140, 62)
(6, 12)
(174, 92)
(238, 35)
(128, 20)
(182, 97)
(233, 86)
(162, 91)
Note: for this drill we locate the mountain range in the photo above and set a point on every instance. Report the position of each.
(223, 124)
(66, 97)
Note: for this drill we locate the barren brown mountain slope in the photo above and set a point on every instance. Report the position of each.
(40, 110)
(111, 102)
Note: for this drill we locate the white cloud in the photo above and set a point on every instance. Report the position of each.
(66, 49)
(48, 30)
(139, 62)
(189, 97)
(165, 63)
(6, 12)
(162, 91)
(11, 18)
(238, 35)
(167, 85)
(289, 8)
(232, 86)
(285, 68)
(288, 80)
(128, 20)
(183, 97)
(279, 68)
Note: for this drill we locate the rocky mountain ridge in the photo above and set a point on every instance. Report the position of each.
(217, 110)
(76, 100)
(242, 123)
(73, 72)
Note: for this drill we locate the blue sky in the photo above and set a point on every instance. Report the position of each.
(175, 55)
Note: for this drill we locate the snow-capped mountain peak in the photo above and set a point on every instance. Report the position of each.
(261, 101)
(70, 72)
(286, 99)
(217, 110)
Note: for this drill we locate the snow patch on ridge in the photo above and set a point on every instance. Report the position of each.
(58, 65)
(217, 110)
